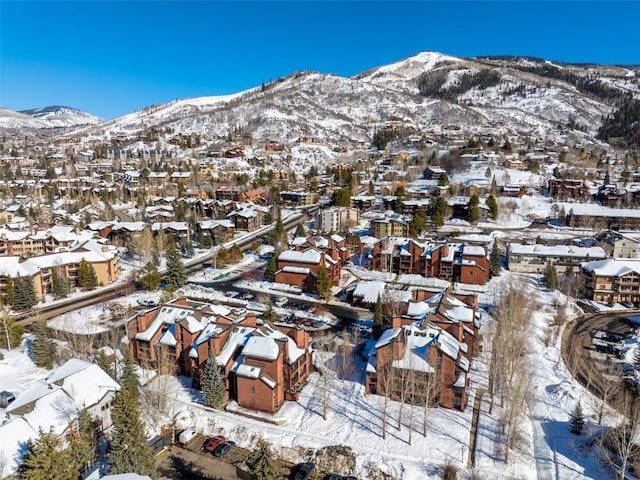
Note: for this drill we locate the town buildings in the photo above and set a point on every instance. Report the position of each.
(424, 357)
(534, 258)
(612, 280)
(447, 261)
(263, 365)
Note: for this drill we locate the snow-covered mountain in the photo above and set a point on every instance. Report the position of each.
(427, 92)
(46, 117)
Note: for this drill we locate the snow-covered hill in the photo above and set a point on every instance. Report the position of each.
(46, 117)
(333, 110)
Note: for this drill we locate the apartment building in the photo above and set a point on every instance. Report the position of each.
(534, 258)
(263, 365)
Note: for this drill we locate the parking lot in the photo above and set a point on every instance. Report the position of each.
(192, 463)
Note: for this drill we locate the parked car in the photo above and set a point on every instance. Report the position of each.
(187, 435)
(304, 471)
(214, 442)
(223, 449)
(6, 398)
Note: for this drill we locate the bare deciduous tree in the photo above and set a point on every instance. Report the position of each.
(619, 444)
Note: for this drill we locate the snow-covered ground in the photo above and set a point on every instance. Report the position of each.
(546, 449)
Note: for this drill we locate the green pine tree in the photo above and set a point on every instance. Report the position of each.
(550, 276)
(300, 231)
(494, 260)
(130, 450)
(323, 283)
(378, 317)
(262, 463)
(213, 383)
(105, 364)
(492, 204)
(270, 315)
(60, 286)
(473, 209)
(576, 420)
(175, 277)
(46, 459)
(42, 346)
(272, 267)
(87, 278)
(150, 277)
(24, 293)
(82, 441)
(418, 223)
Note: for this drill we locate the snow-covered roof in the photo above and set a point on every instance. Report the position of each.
(473, 250)
(261, 347)
(15, 433)
(239, 336)
(419, 309)
(612, 267)
(557, 251)
(309, 256)
(292, 269)
(85, 382)
(293, 351)
(415, 355)
(369, 291)
(387, 337)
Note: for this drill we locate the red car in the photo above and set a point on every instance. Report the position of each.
(213, 443)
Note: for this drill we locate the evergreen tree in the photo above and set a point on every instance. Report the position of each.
(105, 364)
(494, 186)
(270, 316)
(300, 231)
(213, 384)
(42, 346)
(272, 267)
(539, 240)
(473, 209)
(175, 276)
(150, 277)
(60, 286)
(130, 450)
(323, 283)
(418, 223)
(439, 214)
(492, 204)
(341, 197)
(262, 463)
(46, 459)
(401, 196)
(7, 295)
(577, 420)
(378, 318)
(87, 278)
(82, 442)
(24, 294)
(494, 260)
(550, 276)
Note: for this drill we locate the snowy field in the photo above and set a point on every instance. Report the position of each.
(546, 449)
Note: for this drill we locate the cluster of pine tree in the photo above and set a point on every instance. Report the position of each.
(584, 83)
(430, 84)
(383, 136)
(50, 457)
(21, 293)
(624, 124)
(130, 450)
(42, 346)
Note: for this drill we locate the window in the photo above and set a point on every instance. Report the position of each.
(253, 389)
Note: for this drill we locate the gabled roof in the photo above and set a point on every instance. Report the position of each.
(264, 348)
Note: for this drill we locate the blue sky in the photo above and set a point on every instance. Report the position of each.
(110, 58)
